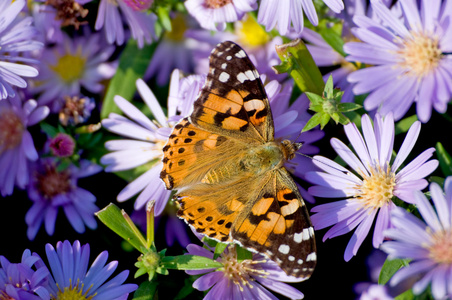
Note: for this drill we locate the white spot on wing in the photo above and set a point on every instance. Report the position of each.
(250, 75)
(284, 249)
(240, 54)
(254, 104)
(241, 77)
(228, 57)
(298, 237)
(291, 258)
(224, 77)
(224, 65)
(300, 261)
(312, 257)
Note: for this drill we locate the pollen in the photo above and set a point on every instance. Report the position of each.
(216, 3)
(178, 28)
(11, 131)
(420, 54)
(376, 189)
(51, 182)
(240, 273)
(250, 33)
(440, 250)
(70, 67)
(73, 292)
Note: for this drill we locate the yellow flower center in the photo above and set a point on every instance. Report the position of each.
(420, 54)
(239, 272)
(250, 33)
(441, 247)
(72, 293)
(216, 3)
(11, 130)
(178, 26)
(376, 189)
(52, 182)
(70, 67)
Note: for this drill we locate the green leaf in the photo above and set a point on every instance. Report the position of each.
(329, 87)
(189, 262)
(114, 219)
(333, 39)
(146, 291)
(407, 295)
(303, 68)
(164, 18)
(243, 254)
(48, 129)
(186, 290)
(405, 124)
(389, 268)
(219, 248)
(132, 65)
(445, 160)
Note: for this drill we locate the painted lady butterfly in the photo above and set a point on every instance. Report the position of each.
(229, 171)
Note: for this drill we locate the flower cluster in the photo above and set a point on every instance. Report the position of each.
(93, 93)
(67, 278)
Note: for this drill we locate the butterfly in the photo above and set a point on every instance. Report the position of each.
(229, 171)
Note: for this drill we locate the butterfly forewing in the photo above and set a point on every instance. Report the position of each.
(233, 101)
(225, 190)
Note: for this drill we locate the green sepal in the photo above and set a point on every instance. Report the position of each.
(132, 65)
(445, 160)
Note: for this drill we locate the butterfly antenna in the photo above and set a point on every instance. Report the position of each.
(322, 162)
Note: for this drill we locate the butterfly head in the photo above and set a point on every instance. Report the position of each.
(290, 148)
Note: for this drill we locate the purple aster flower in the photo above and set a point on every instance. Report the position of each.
(71, 279)
(75, 63)
(368, 191)
(408, 58)
(16, 143)
(141, 23)
(51, 188)
(428, 243)
(325, 56)
(174, 51)
(16, 37)
(146, 139)
(21, 281)
(46, 24)
(214, 14)
(281, 14)
(376, 292)
(247, 279)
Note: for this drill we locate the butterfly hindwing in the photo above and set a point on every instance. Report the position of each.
(277, 225)
(233, 100)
